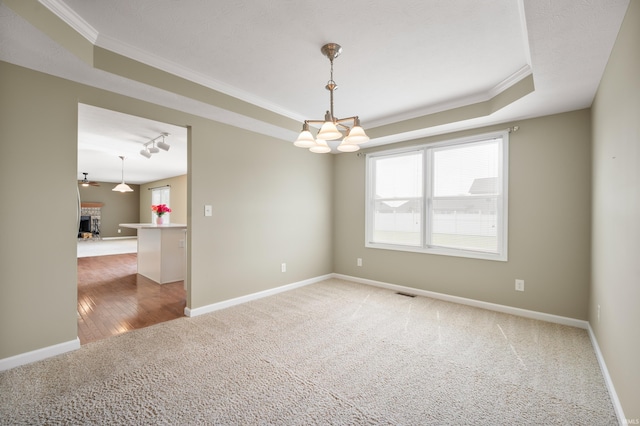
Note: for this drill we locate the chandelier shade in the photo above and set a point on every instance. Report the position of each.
(331, 127)
(305, 139)
(348, 147)
(320, 147)
(329, 131)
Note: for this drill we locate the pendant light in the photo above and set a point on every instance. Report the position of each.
(122, 187)
(331, 127)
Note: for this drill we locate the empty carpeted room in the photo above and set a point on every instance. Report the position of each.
(458, 245)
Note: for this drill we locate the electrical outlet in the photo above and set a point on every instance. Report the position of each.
(119, 230)
(359, 262)
(283, 267)
(519, 285)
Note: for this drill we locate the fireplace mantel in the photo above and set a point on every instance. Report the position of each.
(91, 205)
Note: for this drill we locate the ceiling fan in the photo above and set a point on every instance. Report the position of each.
(86, 182)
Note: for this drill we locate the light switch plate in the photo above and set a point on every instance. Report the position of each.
(208, 210)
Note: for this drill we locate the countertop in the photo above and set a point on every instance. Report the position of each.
(153, 226)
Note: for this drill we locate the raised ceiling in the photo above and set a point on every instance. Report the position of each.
(492, 61)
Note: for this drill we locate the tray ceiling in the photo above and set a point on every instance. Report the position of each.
(401, 61)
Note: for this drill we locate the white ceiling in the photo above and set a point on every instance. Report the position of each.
(104, 135)
(400, 60)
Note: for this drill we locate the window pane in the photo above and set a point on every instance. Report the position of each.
(469, 223)
(397, 204)
(398, 221)
(466, 169)
(398, 176)
(161, 196)
(465, 190)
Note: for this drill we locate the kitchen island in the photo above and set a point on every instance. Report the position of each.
(161, 251)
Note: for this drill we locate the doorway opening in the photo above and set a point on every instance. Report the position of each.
(113, 297)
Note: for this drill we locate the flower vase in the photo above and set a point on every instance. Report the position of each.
(159, 220)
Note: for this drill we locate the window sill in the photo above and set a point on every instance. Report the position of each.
(470, 254)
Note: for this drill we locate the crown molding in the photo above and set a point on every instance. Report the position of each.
(163, 64)
(71, 18)
(475, 98)
(514, 78)
(75, 21)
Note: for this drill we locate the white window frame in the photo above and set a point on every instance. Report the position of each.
(425, 247)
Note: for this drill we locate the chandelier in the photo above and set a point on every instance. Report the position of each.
(332, 127)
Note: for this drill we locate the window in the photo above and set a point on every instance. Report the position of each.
(445, 198)
(161, 195)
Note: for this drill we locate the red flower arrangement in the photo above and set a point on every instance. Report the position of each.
(160, 209)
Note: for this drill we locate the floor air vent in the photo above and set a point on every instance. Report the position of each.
(405, 294)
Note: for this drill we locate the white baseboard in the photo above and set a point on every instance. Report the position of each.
(50, 351)
(243, 299)
(607, 378)
(471, 302)
(39, 354)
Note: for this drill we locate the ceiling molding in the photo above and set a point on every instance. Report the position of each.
(78, 24)
(416, 127)
(124, 66)
(71, 18)
(525, 30)
(477, 98)
(514, 78)
(155, 61)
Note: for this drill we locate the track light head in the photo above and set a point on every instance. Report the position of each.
(145, 153)
(164, 146)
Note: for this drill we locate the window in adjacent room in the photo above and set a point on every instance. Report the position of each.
(161, 196)
(445, 198)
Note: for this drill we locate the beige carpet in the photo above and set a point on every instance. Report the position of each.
(330, 353)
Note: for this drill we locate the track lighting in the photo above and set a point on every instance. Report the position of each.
(147, 151)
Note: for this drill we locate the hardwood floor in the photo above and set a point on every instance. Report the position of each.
(113, 298)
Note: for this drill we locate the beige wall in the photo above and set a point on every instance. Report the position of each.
(38, 163)
(271, 204)
(119, 207)
(549, 220)
(616, 215)
(178, 202)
